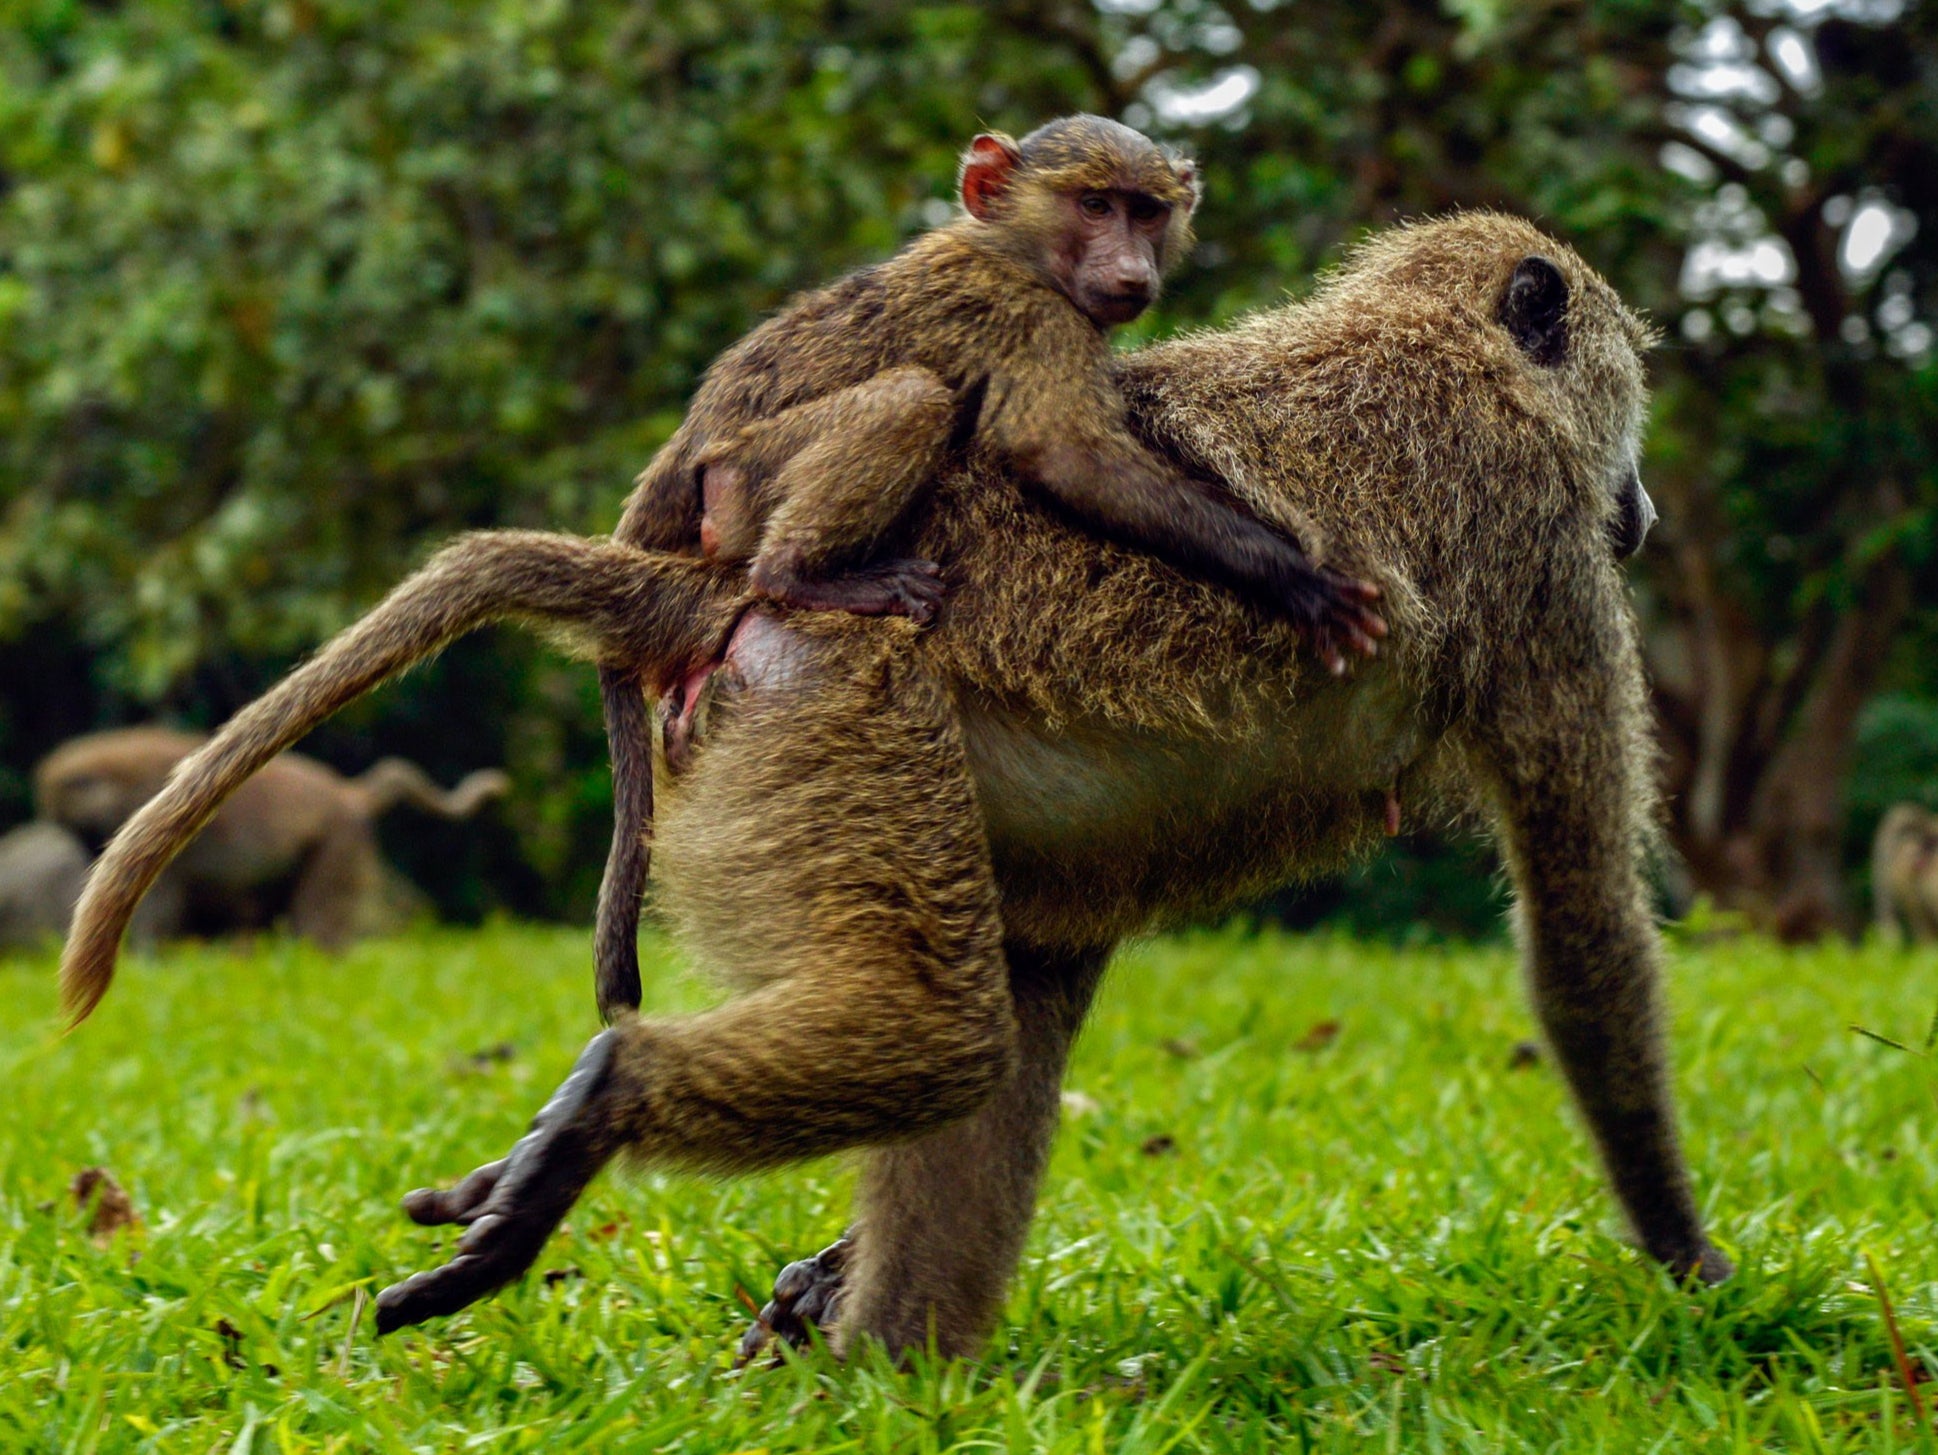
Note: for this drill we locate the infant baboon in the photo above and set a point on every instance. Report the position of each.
(914, 851)
(297, 839)
(809, 440)
(42, 867)
(1904, 873)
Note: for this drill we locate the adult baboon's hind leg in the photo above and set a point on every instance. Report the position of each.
(880, 1005)
(1573, 791)
(941, 1221)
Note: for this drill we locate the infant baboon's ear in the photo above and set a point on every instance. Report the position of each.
(1535, 309)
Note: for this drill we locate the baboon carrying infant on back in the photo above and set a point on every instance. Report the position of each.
(912, 851)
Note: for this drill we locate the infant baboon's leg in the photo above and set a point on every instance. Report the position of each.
(1570, 784)
(875, 446)
(882, 1008)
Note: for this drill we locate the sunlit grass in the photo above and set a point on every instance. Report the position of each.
(1254, 1236)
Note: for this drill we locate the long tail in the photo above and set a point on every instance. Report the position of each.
(392, 781)
(636, 607)
(615, 935)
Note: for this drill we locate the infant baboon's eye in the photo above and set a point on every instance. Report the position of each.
(1147, 209)
(1096, 204)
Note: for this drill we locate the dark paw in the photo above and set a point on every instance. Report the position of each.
(807, 1295)
(913, 589)
(1705, 1263)
(1338, 618)
(509, 1207)
(1710, 1266)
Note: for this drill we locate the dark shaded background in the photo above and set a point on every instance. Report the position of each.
(290, 292)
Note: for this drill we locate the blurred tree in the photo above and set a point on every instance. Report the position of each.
(288, 291)
(1764, 178)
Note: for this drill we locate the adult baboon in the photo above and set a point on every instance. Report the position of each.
(297, 839)
(1904, 873)
(42, 867)
(915, 850)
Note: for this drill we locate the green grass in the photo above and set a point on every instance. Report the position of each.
(1395, 1240)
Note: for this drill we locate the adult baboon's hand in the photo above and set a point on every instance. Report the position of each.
(512, 1205)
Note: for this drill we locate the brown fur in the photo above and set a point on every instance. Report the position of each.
(1904, 873)
(297, 838)
(806, 446)
(913, 850)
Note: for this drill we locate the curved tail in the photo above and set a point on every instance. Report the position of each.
(635, 606)
(391, 781)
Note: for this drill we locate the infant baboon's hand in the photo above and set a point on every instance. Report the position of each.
(510, 1206)
(1336, 616)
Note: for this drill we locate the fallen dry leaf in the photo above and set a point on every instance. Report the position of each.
(108, 1207)
(1322, 1034)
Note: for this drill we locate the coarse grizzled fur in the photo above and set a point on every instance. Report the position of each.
(912, 851)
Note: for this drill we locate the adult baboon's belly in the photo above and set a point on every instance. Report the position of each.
(1096, 829)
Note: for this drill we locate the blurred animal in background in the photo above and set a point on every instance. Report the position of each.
(1904, 873)
(812, 439)
(42, 868)
(298, 842)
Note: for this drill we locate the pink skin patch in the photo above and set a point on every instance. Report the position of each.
(760, 652)
(1392, 814)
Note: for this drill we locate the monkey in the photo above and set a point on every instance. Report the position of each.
(912, 852)
(42, 866)
(298, 837)
(809, 440)
(1904, 873)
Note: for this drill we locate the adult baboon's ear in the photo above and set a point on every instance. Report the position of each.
(1535, 309)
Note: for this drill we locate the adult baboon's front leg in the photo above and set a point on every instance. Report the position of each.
(1573, 804)
(942, 1220)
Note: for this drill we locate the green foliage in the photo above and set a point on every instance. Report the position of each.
(1394, 1236)
(291, 290)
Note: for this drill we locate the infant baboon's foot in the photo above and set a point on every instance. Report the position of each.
(510, 1206)
(807, 1295)
(913, 589)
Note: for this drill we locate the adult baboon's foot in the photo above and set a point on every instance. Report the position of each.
(1708, 1264)
(894, 588)
(807, 1295)
(510, 1206)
